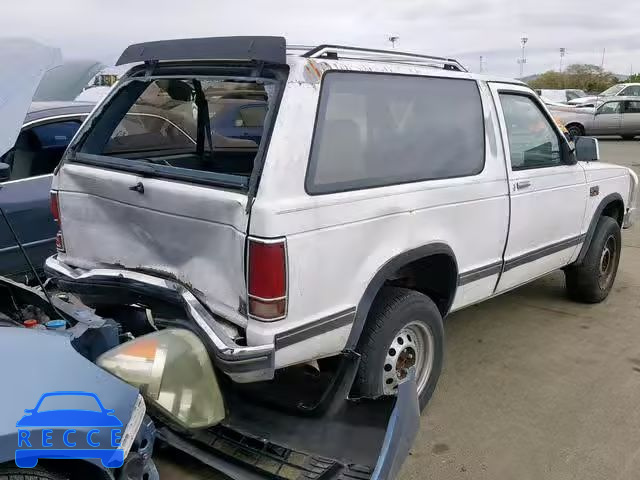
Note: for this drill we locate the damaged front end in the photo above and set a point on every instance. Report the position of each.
(190, 368)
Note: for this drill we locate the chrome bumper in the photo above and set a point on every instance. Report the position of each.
(629, 218)
(243, 364)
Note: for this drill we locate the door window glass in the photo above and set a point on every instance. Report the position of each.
(39, 149)
(253, 116)
(632, 107)
(533, 141)
(610, 108)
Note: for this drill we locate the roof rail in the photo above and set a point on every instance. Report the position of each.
(393, 56)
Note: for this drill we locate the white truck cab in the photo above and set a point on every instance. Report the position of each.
(377, 192)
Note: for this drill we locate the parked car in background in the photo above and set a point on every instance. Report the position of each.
(560, 96)
(100, 85)
(611, 116)
(619, 90)
(238, 118)
(65, 82)
(24, 194)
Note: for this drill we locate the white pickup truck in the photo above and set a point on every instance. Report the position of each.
(360, 199)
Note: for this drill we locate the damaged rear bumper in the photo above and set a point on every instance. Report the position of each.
(241, 363)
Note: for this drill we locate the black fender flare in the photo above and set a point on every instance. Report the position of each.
(612, 197)
(393, 265)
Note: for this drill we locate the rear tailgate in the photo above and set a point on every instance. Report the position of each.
(145, 187)
(189, 232)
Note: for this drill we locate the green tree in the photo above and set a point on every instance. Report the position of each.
(635, 78)
(590, 78)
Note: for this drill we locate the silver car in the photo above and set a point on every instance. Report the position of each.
(619, 90)
(611, 116)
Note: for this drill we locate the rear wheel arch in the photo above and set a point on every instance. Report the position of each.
(610, 206)
(408, 270)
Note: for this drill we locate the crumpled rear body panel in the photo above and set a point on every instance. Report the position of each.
(191, 233)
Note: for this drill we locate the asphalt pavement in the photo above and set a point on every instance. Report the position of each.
(534, 386)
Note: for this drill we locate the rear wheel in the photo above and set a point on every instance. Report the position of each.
(592, 280)
(404, 330)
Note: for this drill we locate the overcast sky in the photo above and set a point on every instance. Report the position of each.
(466, 29)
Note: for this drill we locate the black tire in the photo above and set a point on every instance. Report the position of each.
(398, 311)
(591, 281)
(628, 137)
(8, 472)
(575, 130)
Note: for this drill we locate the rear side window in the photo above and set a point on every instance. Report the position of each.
(374, 130)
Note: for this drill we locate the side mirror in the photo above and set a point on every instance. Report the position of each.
(587, 149)
(5, 172)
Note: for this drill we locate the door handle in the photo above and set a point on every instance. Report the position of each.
(521, 185)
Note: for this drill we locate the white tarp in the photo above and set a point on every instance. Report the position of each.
(23, 62)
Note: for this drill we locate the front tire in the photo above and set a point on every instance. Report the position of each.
(14, 473)
(592, 280)
(404, 329)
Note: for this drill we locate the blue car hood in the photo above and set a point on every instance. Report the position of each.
(36, 362)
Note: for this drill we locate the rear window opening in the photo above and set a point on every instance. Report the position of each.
(207, 128)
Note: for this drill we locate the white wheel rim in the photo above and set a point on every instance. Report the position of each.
(412, 346)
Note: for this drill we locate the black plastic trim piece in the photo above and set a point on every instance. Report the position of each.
(248, 49)
(613, 197)
(389, 269)
(542, 252)
(324, 325)
(479, 273)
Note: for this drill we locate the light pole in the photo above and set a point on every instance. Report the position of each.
(563, 52)
(481, 63)
(393, 39)
(523, 59)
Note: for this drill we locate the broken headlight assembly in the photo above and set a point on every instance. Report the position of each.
(173, 371)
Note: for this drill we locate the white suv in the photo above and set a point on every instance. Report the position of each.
(301, 205)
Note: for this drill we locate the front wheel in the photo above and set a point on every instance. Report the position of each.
(575, 131)
(592, 280)
(404, 329)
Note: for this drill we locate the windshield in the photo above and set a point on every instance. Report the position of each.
(612, 91)
(69, 402)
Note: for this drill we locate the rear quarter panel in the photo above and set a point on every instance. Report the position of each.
(337, 242)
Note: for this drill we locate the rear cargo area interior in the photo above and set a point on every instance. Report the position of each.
(206, 124)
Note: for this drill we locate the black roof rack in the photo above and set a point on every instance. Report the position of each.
(393, 56)
(271, 50)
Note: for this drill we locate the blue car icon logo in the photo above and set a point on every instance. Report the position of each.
(66, 433)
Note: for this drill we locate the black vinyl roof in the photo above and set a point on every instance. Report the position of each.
(261, 49)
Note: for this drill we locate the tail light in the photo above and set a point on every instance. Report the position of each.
(267, 279)
(55, 211)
